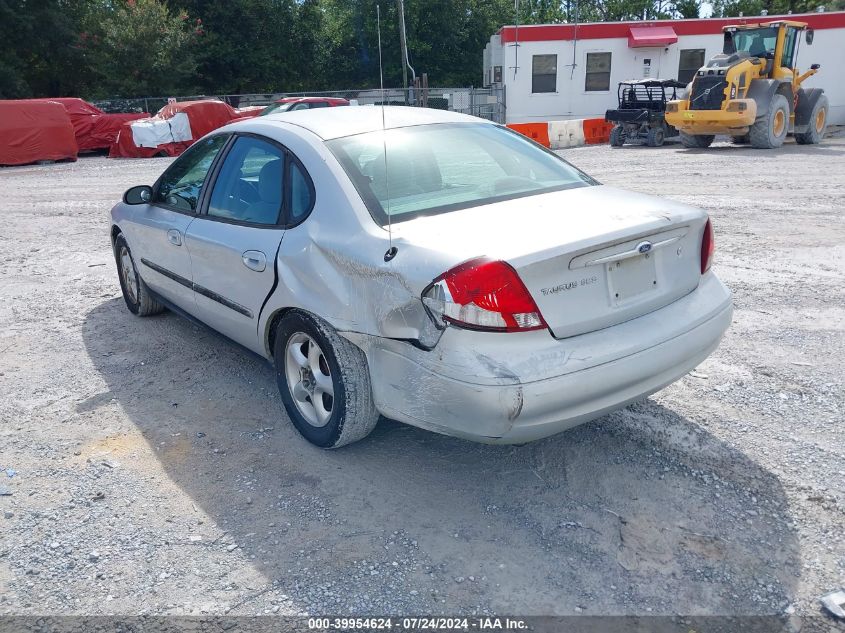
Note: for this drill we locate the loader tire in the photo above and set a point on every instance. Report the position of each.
(696, 141)
(817, 124)
(769, 131)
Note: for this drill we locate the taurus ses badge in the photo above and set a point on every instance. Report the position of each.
(644, 247)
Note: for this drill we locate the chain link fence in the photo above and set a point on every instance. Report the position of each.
(486, 103)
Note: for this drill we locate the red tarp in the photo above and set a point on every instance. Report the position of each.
(94, 129)
(32, 130)
(644, 36)
(203, 116)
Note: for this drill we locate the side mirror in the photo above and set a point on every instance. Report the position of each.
(815, 66)
(141, 194)
(809, 35)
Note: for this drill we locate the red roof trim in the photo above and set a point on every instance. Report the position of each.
(610, 30)
(642, 36)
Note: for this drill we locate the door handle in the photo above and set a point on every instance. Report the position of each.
(174, 237)
(255, 260)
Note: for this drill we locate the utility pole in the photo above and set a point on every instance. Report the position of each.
(400, 5)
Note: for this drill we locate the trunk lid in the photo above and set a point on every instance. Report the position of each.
(591, 257)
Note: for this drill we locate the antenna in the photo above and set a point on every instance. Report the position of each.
(391, 252)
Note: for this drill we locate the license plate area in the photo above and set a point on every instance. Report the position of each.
(630, 278)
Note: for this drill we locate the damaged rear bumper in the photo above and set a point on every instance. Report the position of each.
(518, 387)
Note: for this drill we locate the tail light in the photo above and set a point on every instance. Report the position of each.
(483, 295)
(708, 246)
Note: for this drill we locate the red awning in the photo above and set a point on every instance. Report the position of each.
(641, 36)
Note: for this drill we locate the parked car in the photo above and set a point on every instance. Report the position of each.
(468, 281)
(289, 104)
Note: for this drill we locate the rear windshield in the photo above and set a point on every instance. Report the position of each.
(431, 169)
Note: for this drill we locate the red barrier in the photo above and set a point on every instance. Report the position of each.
(536, 131)
(597, 131)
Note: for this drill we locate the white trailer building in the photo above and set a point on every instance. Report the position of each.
(569, 71)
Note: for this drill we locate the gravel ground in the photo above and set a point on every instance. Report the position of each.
(152, 469)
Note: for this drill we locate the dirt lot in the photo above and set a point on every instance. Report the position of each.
(152, 469)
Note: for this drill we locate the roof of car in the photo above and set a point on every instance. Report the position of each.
(330, 123)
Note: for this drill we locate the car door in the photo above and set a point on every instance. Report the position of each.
(157, 234)
(234, 243)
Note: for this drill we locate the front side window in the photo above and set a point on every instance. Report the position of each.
(598, 72)
(544, 73)
(249, 187)
(691, 60)
(180, 186)
(432, 169)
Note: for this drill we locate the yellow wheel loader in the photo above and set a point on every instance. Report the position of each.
(752, 91)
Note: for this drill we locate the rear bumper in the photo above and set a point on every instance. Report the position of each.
(512, 388)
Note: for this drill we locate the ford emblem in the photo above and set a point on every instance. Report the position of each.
(644, 247)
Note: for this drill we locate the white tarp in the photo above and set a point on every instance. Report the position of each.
(154, 132)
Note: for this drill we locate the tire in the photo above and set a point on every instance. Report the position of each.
(655, 137)
(816, 127)
(333, 420)
(696, 141)
(740, 140)
(617, 136)
(136, 294)
(769, 131)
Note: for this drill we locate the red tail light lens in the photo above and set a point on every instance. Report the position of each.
(483, 295)
(708, 247)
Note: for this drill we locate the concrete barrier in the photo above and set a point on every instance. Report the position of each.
(567, 133)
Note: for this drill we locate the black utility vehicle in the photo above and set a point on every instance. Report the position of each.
(639, 116)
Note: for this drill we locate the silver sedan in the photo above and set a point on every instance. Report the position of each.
(423, 265)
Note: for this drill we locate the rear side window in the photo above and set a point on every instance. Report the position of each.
(301, 194)
(180, 186)
(250, 185)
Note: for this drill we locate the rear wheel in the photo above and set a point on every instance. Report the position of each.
(699, 141)
(137, 296)
(655, 137)
(617, 136)
(817, 124)
(324, 382)
(769, 131)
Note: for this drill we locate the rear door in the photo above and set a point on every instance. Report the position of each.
(256, 194)
(157, 235)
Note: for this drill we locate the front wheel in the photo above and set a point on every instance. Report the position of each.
(655, 137)
(617, 136)
(324, 382)
(817, 124)
(137, 296)
(696, 141)
(769, 131)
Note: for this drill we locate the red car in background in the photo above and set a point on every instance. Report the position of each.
(289, 104)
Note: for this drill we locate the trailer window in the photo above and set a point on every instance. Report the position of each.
(598, 72)
(691, 60)
(544, 73)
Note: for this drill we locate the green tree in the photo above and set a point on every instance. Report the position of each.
(39, 53)
(251, 45)
(141, 48)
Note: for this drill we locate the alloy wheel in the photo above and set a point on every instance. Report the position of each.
(309, 379)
